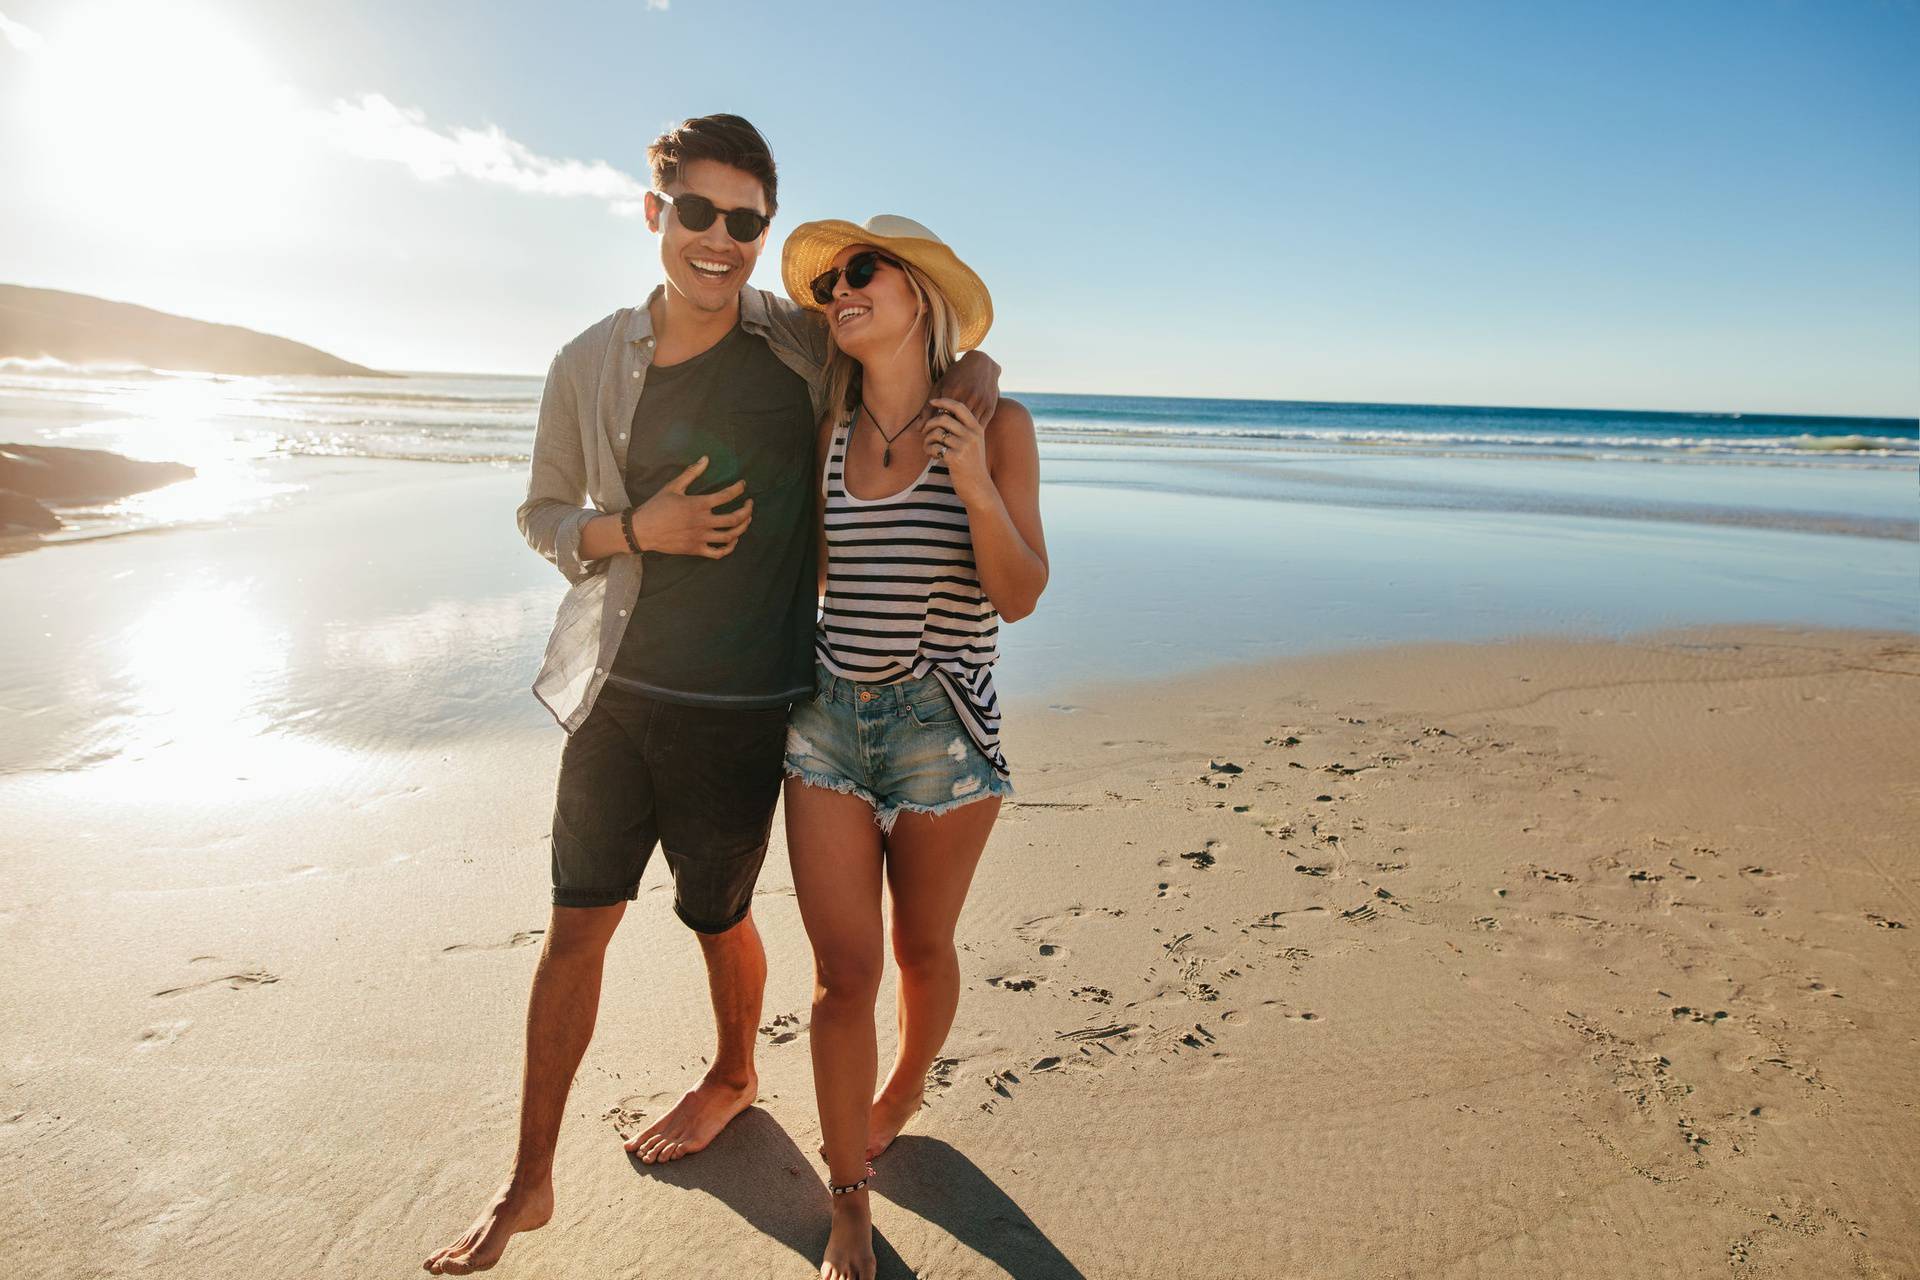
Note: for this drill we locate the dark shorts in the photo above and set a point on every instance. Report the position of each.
(700, 782)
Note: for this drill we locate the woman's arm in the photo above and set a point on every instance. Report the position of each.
(996, 472)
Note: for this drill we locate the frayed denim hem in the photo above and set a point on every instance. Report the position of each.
(830, 782)
(996, 786)
(884, 816)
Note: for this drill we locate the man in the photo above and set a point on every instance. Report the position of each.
(688, 424)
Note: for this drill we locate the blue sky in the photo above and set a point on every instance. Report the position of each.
(1698, 206)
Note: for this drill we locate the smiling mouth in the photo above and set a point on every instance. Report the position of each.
(710, 268)
(845, 314)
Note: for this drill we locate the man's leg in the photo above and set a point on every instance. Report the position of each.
(737, 982)
(717, 780)
(560, 1017)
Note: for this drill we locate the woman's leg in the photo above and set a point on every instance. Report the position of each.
(930, 862)
(834, 847)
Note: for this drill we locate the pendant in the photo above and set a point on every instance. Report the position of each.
(886, 456)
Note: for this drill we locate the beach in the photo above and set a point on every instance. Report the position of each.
(1402, 881)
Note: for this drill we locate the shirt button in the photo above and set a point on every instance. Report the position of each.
(636, 373)
(599, 671)
(623, 613)
(621, 436)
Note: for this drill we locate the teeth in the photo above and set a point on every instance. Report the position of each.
(717, 268)
(850, 312)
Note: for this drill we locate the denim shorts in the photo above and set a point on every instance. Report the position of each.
(900, 747)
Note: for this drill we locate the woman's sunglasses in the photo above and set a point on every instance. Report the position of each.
(860, 269)
(696, 213)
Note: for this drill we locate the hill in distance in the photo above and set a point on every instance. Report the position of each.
(37, 324)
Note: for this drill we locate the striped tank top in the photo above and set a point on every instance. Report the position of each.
(903, 598)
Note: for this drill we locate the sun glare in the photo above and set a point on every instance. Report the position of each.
(166, 117)
(200, 671)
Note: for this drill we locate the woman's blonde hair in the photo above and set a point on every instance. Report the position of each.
(942, 323)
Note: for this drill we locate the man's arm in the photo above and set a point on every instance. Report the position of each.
(974, 381)
(551, 518)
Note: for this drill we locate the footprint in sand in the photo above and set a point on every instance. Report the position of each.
(1202, 858)
(161, 1034)
(1013, 984)
(1098, 995)
(626, 1114)
(1180, 1039)
(233, 981)
(524, 938)
(784, 1027)
(940, 1074)
(1681, 1011)
(1090, 1035)
(1881, 922)
(1001, 1083)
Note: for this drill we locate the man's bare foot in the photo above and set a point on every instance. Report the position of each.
(702, 1112)
(513, 1209)
(889, 1116)
(849, 1253)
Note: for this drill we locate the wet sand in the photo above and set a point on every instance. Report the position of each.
(1543, 958)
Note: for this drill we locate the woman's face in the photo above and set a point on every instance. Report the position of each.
(877, 319)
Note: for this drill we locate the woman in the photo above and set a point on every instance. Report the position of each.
(930, 537)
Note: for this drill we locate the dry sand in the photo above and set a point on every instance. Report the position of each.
(1530, 959)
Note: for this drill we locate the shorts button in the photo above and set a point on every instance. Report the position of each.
(866, 695)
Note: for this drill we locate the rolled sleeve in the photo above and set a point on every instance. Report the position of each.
(552, 518)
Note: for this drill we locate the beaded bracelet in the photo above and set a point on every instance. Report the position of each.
(851, 1187)
(626, 528)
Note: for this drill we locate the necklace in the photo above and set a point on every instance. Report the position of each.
(886, 454)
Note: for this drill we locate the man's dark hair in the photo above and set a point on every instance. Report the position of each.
(727, 139)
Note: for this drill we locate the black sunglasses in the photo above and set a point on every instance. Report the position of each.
(696, 213)
(860, 269)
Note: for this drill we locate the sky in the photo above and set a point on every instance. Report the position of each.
(1704, 206)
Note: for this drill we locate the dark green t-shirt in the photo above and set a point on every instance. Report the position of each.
(738, 631)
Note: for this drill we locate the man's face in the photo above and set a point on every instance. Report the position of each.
(708, 268)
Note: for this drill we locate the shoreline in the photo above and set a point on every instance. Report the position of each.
(1530, 957)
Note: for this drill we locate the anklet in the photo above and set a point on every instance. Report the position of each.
(851, 1187)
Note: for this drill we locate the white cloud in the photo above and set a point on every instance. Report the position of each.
(374, 128)
(659, 5)
(27, 40)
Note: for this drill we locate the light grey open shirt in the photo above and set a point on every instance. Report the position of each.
(580, 468)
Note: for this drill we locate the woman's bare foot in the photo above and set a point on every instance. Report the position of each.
(697, 1119)
(850, 1244)
(890, 1115)
(514, 1209)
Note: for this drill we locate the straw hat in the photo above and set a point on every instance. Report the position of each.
(812, 247)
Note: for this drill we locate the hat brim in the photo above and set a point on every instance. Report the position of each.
(812, 247)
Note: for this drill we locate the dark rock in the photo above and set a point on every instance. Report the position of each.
(21, 514)
(70, 476)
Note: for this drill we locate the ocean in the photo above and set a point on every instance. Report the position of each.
(344, 565)
(480, 418)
